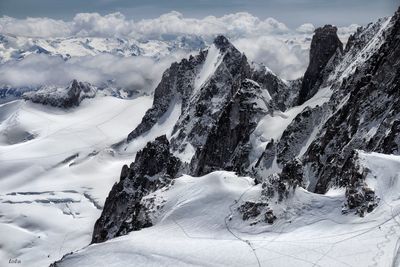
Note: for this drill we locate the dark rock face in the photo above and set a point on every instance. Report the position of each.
(296, 135)
(281, 185)
(250, 210)
(68, 97)
(269, 216)
(283, 95)
(227, 146)
(360, 198)
(124, 211)
(367, 120)
(391, 141)
(210, 109)
(361, 37)
(176, 84)
(264, 162)
(290, 178)
(208, 101)
(257, 212)
(324, 46)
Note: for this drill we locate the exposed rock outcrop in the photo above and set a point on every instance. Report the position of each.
(220, 78)
(325, 46)
(176, 83)
(283, 94)
(216, 88)
(285, 182)
(227, 146)
(124, 211)
(366, 119)
(360, 198)
(68, 97)
(295, 137)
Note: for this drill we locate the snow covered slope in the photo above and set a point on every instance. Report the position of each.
(56, 168)
(199, 225)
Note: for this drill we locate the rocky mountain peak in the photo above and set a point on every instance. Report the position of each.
(234, 60)
(324, 45)
(326, 30)
(222, 43)
(63, 97)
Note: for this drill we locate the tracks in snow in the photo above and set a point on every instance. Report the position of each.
(229, 217)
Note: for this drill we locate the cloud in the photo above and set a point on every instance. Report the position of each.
(233, 25)
(135, 73)
(34, 27)
(268, 41)
(95, 25)
(117, 25)
(285, 57)
(306, 28)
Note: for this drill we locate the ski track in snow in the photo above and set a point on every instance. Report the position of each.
(247, 242)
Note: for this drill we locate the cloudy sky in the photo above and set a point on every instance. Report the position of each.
(291, 12)
(276, 33)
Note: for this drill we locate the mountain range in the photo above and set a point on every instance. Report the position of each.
(226, 164)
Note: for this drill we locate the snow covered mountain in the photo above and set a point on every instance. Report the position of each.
(72, 55)
(18, 47)
(232, 165)
(62, 97)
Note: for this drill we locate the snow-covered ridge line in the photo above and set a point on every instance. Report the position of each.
(353, 58)
(17, 47)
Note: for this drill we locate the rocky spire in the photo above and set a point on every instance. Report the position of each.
(222, 43)
(324, 45)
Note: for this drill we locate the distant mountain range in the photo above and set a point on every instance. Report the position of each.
(18, 47)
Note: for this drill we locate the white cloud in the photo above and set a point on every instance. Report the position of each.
(286, 57)
(233, 25)
(34, 27)
(116, 24)
(93, 24)
(136, 73)
(283, 50)
(306, 28)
